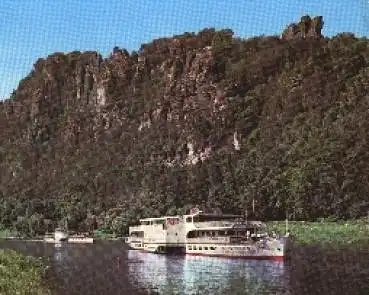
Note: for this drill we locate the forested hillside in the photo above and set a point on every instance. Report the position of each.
(205, 118)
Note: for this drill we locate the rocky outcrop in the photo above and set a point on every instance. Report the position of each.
(172, 80)
(306, 28)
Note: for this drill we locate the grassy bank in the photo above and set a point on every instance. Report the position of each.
(303, 232)
(20, 275)
(340, 232)
(3, 232)
(101, 235)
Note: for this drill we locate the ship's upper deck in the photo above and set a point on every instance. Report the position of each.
(198, 219)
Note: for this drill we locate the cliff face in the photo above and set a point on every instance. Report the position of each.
(194, 119)
(168, 81)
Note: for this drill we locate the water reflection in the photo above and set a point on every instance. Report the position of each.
(205, 275)
(58, 252)
(109, 268)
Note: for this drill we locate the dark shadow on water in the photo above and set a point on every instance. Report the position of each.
(109, 268)
(329, 270)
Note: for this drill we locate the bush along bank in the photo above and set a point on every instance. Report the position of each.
(21, 275)
(324, 232)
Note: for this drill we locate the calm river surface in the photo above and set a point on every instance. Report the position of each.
(109, 268)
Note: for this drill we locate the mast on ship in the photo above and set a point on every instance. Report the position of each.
(246, 214)
(286, 221)
(253, 208)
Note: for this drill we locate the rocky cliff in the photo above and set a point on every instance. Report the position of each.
(306, 28)
(200, 118)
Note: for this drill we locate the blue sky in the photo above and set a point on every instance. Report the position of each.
(30, 29)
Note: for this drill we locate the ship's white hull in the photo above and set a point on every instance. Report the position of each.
(78, 240)
(236, 251)
(165, 248)
(157, 248)
(70, 240)
(135, 244)
(273, 249)
(60, 236)
(245, 251)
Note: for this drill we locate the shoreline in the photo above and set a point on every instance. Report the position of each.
(324, 232)
(21, 239)
(302, 232)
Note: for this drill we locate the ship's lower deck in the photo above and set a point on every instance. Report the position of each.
(165, 248)
(234, 251)
(248, 251)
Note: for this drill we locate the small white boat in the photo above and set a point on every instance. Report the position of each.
(49, 240)
(81, 240)
(61, 236)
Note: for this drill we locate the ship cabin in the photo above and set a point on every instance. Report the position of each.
(136, 237)
(161, 230)
(204, 228)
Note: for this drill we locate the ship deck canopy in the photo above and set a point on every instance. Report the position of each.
(157, 220)
(237, 226)
(206, 217)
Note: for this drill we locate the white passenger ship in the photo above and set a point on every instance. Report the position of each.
(200, 233)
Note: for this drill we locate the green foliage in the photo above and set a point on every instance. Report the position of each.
(21, 275)
(325, 231)
(3, 232)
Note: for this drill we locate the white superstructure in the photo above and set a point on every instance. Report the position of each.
(60, 235)
(161, 234)
(207, 234)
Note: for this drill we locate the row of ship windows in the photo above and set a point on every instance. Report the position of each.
(189, 219)
(201, 248)
(209, 248)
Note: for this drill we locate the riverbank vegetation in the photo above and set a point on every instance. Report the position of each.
(3, 232)
(21, 275)
(104, 235)
(325, 232)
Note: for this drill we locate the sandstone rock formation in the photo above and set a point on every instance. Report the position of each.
(306, 28)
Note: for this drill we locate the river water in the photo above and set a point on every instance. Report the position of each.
(109, 268)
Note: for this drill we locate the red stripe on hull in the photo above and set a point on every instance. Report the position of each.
(274, 258)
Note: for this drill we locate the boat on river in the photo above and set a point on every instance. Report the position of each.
(61, 236)
(207, 234)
